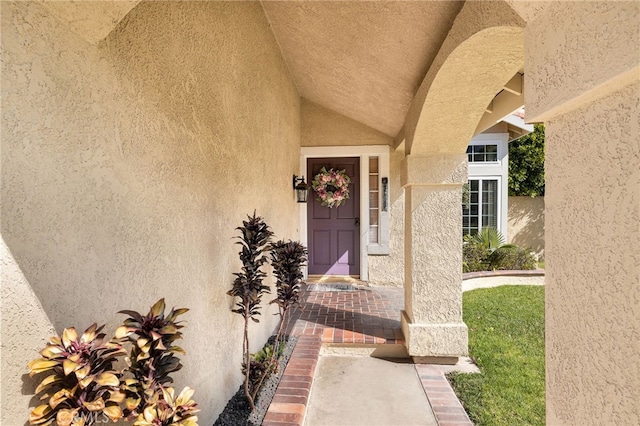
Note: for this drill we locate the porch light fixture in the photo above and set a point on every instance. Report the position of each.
(301, 188)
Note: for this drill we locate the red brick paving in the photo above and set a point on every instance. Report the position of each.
(444, 402)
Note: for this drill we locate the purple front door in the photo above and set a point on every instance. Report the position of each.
(334, 233)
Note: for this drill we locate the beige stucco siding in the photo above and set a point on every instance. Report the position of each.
(582, 75)
(389, 269)
(323, 127)
(593, 258)
(125, 169)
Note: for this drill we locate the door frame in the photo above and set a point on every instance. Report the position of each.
(364, 152)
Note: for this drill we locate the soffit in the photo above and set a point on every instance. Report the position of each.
(364, 60)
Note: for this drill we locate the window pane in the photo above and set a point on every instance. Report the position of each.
(373, 234)
(373, 164)
(373, 182)
(490, 203)
(373, 199)
(373, 216)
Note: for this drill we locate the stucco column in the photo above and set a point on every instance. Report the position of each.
(583, 82)
(432, 318)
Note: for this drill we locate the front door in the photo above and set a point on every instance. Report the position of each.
(333, 233)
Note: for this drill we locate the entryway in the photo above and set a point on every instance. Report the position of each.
(333, 233)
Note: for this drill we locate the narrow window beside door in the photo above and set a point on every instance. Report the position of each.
(374, 200)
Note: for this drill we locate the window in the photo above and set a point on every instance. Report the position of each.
(481, 210)
(482, 153)
(374, 198)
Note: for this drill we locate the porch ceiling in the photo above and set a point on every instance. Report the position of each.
(364, 60)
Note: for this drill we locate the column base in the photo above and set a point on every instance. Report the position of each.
(444, 341)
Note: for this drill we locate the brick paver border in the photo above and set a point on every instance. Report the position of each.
(355, 317)
(444, 402)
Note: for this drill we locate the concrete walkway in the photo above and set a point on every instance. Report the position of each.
(365, 391)
(340, 373)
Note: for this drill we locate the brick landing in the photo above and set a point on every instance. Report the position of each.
(349, 315)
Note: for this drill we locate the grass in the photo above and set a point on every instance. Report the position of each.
(506, 340)
(541, 264)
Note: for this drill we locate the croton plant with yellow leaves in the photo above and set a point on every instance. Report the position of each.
(81, 386)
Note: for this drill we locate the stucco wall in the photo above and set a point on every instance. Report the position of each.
(593, 258)
(125, 169)
(321, 126)
(582, 72)
(526, 223)
(389, 269)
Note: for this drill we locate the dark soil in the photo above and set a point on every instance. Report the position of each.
(237, 411)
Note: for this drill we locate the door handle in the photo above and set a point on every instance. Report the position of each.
(357, 221)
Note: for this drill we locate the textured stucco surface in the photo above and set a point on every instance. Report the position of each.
(389, 269)
(322, 127)
(483, 51)
(433, 255)
(593, 262)
(126, 167)
(526, 223)
(92, 20)
(580, 47)
(364, 60)
(25, 329)
(582, 79)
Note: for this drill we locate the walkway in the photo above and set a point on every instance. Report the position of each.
(347, 319)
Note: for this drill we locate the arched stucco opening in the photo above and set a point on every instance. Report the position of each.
(463, 86)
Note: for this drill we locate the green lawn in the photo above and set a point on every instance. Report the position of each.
(506, 340)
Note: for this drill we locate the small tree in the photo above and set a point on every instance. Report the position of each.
(287, 259)
(526, 164)
(247, 286)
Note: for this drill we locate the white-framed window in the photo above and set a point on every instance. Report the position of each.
(374, 200)
(488, 155)
(482, 209)
(482, 153)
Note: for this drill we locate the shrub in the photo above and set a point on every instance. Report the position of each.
(486, 251)
(287, 259)
(80, 380)
(474, 257)
(152, 359)
(512, 258)
(81, 384)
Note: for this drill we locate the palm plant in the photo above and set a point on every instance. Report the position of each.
(489, 238)
(248, 286)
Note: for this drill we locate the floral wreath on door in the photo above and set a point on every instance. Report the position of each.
(331, 186)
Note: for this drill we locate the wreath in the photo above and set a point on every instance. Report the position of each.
(331, 186)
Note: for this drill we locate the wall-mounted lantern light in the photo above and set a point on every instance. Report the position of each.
(385, 194)
(301, 188)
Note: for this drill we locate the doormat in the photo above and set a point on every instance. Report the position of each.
(324, 287)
